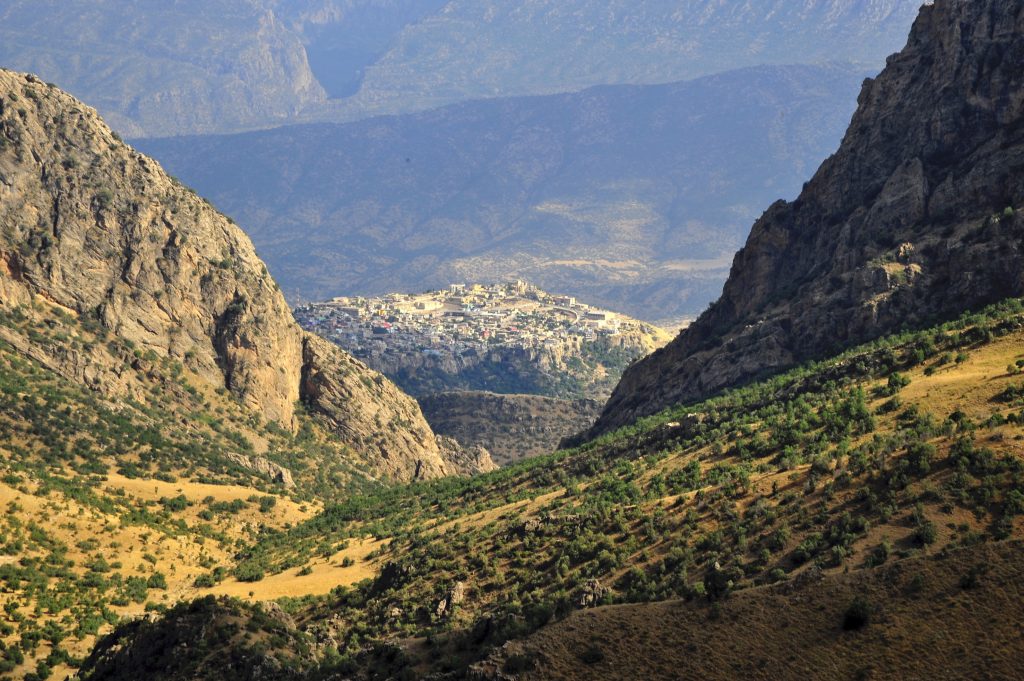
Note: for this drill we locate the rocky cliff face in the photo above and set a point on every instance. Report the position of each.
(914, 218)
(91, 225)
(165, 68)
(510, 427)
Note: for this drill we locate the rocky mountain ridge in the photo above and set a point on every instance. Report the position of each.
(90, 225)
(166, 68)
(486, 48)
(914, 218)
(156, 68)
(631, 197)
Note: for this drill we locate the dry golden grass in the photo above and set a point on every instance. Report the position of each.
(141, 550)
(326, 574)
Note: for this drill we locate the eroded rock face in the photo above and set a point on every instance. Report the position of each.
(455, 596)
(90, 225)
(258, 464)
(907, 223)
(510, 427)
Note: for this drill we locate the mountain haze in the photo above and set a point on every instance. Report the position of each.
(915, 218)
(157, 69)
(343, 37)
(821, 478)
(487, 48)
(631, 197)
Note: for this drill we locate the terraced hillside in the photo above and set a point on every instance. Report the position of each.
(904, 448)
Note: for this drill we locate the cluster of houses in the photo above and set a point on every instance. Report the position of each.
(458, 319)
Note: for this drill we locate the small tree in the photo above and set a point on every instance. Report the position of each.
(857, 615)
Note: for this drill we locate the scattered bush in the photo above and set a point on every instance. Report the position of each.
(857, 614)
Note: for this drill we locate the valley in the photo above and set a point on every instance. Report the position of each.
(506, 367)
(820, 477)
(836, 467)
(631, 197)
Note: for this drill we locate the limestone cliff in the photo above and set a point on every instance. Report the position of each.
(91, 225)
(914, 218)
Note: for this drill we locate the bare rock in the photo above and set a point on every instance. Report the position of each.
(906, 223)
(455, 596)
(591, 594)
(92, 226)
(258, 464)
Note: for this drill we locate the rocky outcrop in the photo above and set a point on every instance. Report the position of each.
(452, 599)
(510, 427)
(915, 218)
(91, 226)
(590, 594)
(258, 464)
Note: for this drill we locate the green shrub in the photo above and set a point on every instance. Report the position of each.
(857, 614)
(250, 571)
(591, 655)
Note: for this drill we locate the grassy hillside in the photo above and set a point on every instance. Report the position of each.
(118, 507)
(928, 617)
(906, 447)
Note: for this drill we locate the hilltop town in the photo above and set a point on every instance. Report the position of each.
(510, 337)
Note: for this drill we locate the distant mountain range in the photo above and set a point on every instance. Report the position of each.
(632, 197)
(485, 48)
(821, 478)
(155, 68)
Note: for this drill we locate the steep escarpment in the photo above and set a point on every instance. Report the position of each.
(510, 427)
(90, 225)
(165, 68)
(914, 218)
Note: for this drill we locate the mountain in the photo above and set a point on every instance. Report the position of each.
(186, 67)
(95, 229)
(510, 427)
(859, 508)
(503, 338)
(915, 218)
(155, 67)
(914, 598)
(473, 49)
(168, 516)
(344, 37)
(632, 198)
